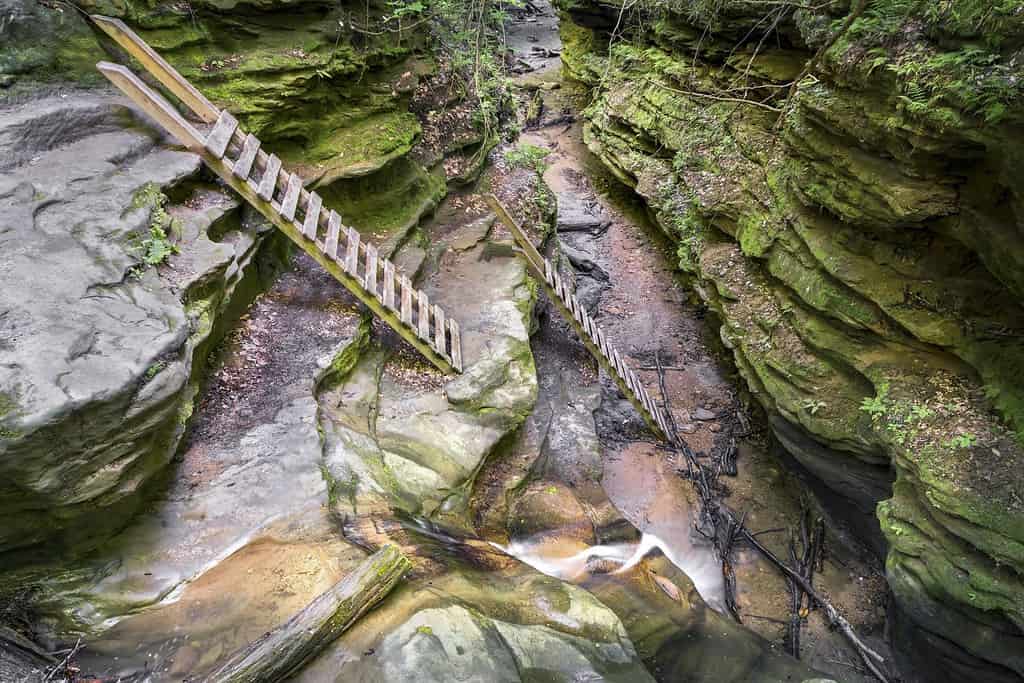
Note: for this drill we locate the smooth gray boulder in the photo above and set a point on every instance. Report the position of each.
(96, 347)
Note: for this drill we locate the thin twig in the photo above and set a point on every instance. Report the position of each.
(694, 93)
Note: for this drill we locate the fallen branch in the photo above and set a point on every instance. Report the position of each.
(716, 514)
(280, 653)
(870, 658)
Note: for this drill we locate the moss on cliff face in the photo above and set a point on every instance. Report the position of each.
(864, 259)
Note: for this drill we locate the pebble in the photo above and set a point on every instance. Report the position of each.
(703, 414)
(687, 428)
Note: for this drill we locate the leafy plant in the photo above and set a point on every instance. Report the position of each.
(525, 155)
(157, 246)
(877, 405)
(965, 440)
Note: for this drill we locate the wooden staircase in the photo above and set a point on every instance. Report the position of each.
(589, 333)
(239, 159)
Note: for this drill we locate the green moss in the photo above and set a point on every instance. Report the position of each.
(386, 206)
(356, 149)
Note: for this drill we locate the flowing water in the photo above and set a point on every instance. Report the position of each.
(702, 569)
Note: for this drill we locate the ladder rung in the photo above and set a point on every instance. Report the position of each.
(423, 329)
(352, 257)
(617, 362)
(268, 183)
(312, 220)
(577, 310)
(219, 138)
(456, 340)
(291, 197)
(371, 269)
(406, 301)
(603, 343)
(243, 166)
(333, 233)
(389, 284)
(439, 331)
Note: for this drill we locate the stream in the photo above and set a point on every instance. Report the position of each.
(552, 537)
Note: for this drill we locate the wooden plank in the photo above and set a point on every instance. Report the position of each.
(155, 64)
(603, 344)
(371, 270)
(439, 331)
(352, 257)
(218, 139)
(333, 232)
(548, 270)
(591, 327)
(407, 301)
(577, 310)
(389, 284)
(243, 166)
(268, 183)
(423, 329)
(645, 398)
(291, 197)
(618, 364)
(154, 105)
(312, 220)
(634, 383)
(456, 339)
(558, 286)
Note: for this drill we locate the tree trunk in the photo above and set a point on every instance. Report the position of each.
(282, 652)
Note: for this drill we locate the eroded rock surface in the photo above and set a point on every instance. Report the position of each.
(98, 347)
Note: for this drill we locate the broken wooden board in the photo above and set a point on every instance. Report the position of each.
(259, 178)
(589, 333)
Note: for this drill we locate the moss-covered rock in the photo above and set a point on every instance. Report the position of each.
(863, 256)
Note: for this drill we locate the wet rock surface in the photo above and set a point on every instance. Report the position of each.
(99, 349)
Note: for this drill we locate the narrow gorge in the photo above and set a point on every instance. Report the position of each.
(801, 224)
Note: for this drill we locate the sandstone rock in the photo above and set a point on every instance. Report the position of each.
(857, 305)
(458, 629)
(99, 349)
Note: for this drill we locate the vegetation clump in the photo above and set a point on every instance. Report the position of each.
(156, 247)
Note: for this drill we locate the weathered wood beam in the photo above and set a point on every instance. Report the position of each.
(281, 653)
(156, 65)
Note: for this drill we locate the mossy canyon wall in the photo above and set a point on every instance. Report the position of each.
(860, 241)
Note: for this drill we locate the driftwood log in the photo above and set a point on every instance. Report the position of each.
(280, 653)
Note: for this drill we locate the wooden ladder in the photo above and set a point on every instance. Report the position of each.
(240, 161)
(589, 333)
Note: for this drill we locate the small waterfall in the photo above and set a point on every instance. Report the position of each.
(698, 564)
